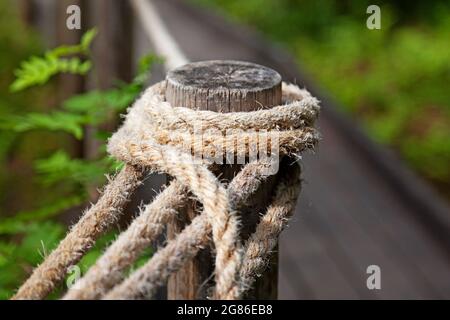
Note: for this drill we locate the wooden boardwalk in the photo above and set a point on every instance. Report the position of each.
(359, 205)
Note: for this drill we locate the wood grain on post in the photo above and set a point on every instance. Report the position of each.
(223, 86)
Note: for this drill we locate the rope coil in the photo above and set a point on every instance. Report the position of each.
(160, 138)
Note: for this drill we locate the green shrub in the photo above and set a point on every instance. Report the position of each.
(28, 236)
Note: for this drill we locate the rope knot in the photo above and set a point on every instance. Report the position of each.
(182, 142)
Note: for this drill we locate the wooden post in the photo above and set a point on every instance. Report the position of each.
(223, 86)
(68, 84)
(112, 56)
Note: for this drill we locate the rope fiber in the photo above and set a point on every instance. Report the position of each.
(157, 137)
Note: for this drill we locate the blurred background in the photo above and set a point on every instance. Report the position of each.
(376, 192)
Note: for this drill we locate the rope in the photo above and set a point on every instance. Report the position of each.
(108, 269)
(82, 236)
(160, 138)
(144, 282)
(263, 241)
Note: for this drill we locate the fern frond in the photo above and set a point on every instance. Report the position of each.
(21, 221)
(87, 38)
(55, 121)
(60, 167)
(81, 48)
(98, 103)
(38, 70)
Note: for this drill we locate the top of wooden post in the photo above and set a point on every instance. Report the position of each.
(223, 86)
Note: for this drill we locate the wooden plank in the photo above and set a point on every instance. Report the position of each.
(376, 201)
(312, 265)
(384, 221)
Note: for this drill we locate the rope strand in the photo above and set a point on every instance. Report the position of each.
(82, 236)
(144, 282)
(261, 243)
(160, 138)
(107, 270)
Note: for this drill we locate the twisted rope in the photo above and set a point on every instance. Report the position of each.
(144, 282)
(263, 241)
(82, 236)
(205, 186)
(161, 138)
(108, 269)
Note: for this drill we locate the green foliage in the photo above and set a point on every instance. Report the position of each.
(61, 167)
(27, 236)
(22, 221)
(393, 80)
(37, 242)
(98, 104)
(17, 42)
(38, 70)
(90, 108)
(55, 121)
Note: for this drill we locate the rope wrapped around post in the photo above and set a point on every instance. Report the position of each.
(157, 137)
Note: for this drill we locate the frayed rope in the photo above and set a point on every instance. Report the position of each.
(161, 138)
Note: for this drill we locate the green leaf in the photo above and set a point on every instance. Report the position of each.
(6, 250)
(99, 104)
(87, 38)
(84, 103)
(60, 167)
(20, 222)
(64, 50)
(55, 121)
(100, 245)
(40, 240)
(144, 66)
(38, 70)
(121, 98)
